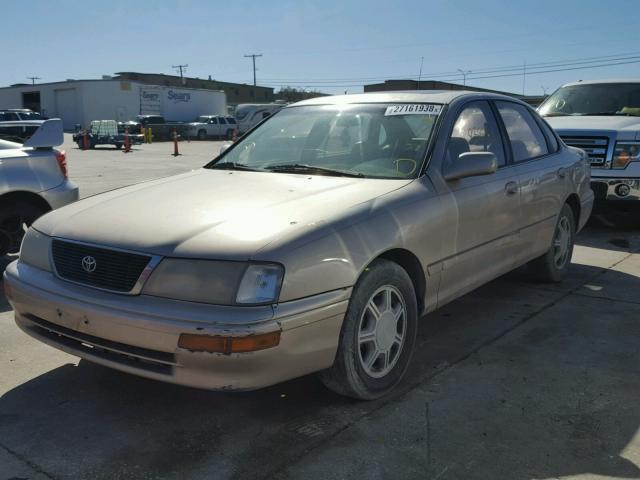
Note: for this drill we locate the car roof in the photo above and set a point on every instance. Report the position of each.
(596, 82)
(419, 96)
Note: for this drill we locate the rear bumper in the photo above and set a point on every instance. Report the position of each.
(616, 189)
(139, 334)
(65, 193)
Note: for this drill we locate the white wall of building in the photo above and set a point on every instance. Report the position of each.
(81, 101)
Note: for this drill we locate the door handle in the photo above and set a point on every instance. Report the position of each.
(511, 188)
(562, 172)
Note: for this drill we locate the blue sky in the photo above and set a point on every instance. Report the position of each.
(330, 46)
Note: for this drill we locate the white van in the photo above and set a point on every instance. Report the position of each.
(248, 115)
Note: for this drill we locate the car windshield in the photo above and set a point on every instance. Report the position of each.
(368, 140)
(594, 99)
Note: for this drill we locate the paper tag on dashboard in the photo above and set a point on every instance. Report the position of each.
(413, 109)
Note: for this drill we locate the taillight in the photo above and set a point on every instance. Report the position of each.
(61, 157)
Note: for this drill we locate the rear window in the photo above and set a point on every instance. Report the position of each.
(231, 120)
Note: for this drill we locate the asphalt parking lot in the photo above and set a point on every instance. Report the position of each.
(517, 380)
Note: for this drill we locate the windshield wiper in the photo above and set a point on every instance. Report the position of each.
(556, 114)
(233, 166)
(311, 169)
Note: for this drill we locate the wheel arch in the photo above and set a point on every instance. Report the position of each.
(11, 198)
(410, 263)
(574, 202)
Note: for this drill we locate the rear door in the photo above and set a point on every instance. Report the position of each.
(484, 235)
(541, 173)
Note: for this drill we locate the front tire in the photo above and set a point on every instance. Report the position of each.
(12, 219)
(553, 266)
(378, 334)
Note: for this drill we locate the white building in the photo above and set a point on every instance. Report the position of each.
(80, 101)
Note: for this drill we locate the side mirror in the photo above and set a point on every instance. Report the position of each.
(224, 147)
(472, 164)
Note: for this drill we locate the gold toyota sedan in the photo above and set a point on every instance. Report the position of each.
(313, 244)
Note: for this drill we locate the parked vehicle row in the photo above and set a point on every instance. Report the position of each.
(364, 213)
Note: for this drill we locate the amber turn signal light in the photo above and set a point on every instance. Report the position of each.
(219, 344)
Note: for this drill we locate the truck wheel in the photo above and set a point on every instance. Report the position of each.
(202, 134)
(553, 266)
(229, 134)
(118, 145)
(12, 219)
(377, 336)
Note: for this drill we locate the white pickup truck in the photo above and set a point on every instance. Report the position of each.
(603, 119)
(212, 126)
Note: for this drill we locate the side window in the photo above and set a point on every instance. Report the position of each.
(213, 121)
(231, 121)
(551, 138)
(222, 121)
(475, 130)
(525, 136)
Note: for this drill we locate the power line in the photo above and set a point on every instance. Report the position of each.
(253, 57)
(507, 68)
(583, 67)
(495, 73)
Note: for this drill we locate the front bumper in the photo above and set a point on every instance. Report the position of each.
(139, 334)
(611, 188)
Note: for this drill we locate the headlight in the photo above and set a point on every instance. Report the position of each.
(625, 153)
(216, 282)
(35, 250)
(260, 284)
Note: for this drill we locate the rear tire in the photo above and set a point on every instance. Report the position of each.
(12, 218)
(378, 334)
(202, 134)
(553, 266)
(118, 146)
(229, 134)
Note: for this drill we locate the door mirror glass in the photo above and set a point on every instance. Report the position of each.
(471, 164)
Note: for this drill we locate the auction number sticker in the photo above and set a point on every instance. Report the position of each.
(413, 109)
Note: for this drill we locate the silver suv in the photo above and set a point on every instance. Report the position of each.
(33, 180)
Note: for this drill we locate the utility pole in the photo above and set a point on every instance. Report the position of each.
(420, 74)
(524, 76)
(464, 76)
(180, 68)
(253, 57)
(544, 90)
(33, 80)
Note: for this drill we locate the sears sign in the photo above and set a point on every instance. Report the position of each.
(178, 97)
(150, 96)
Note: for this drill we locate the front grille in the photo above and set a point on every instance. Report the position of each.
(595, 147)
(113, 269)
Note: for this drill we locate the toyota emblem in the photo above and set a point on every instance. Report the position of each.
(89, 264)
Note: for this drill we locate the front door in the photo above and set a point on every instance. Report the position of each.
(484, 231)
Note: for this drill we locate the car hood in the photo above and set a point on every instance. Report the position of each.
(615, 123)
(212, 213)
